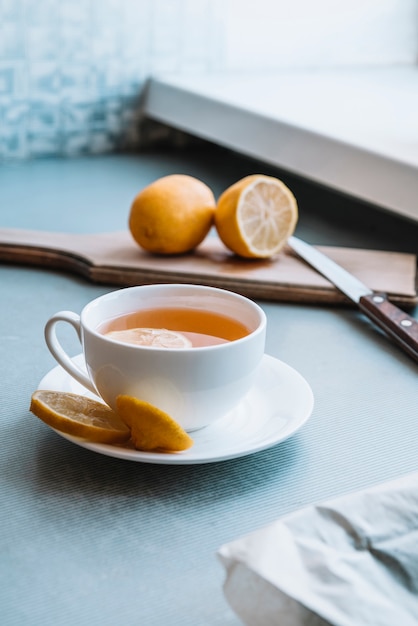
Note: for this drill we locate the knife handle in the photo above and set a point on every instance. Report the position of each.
(400, 326)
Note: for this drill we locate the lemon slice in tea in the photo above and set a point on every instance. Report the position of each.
(153, 337)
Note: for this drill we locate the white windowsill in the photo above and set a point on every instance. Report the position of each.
(354, 130)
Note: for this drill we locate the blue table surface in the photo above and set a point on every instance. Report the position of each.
(88, 539)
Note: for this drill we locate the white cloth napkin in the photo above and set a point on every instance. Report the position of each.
(352, 561)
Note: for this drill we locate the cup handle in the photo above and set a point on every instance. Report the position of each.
(58, 351)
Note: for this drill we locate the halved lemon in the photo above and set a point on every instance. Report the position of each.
(152, 430)
(154, 337)
(255, 217)
(79, 416)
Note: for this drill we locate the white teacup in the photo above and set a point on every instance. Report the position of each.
(195, 385)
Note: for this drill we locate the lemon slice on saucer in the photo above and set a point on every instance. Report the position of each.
(149, 428)
(152, 430)
(79, 416)
(153, 337)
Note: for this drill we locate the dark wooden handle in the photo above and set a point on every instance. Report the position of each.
(400, 326)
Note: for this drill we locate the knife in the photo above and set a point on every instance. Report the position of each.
(398, 325)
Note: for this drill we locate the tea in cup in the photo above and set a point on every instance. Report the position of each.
(190, 350)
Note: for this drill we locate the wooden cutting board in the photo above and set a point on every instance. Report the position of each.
(115, 259)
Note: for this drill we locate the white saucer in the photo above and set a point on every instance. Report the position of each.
(279, 403)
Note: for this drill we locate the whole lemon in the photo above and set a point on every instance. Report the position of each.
(172, 215)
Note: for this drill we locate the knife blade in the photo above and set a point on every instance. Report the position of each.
(398, 325)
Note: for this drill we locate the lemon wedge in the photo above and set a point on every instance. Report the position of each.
(152, 430)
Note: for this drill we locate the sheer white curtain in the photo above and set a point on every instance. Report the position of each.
(269, 34)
